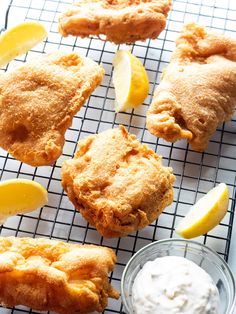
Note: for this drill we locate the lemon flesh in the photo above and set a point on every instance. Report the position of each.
(20, 39)
(18, 196)
(130, 81)
(206, 214)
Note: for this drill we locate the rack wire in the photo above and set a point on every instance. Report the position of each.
(195, 173)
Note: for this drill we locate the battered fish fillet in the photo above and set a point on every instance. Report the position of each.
(198, 89)
(121, 21)
(51, 275)
(38, 102)
(118, 184)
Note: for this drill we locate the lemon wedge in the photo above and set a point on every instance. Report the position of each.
(20, 39)
(206, 214)
(130, 81)
(18, 196)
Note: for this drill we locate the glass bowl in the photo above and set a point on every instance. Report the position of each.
(203, 256)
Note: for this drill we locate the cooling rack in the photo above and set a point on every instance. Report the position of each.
(195, 173)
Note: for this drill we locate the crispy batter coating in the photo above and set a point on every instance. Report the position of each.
(121, 21)
(198, 89)
(118, 184)
(51, 275)
(38, 102)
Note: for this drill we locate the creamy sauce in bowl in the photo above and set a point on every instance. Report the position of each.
(174, 285)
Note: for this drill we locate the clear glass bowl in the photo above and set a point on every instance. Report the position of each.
(203, 256)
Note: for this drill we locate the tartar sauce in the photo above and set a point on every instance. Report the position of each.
(175, 285)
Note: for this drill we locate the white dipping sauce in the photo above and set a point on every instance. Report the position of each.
(175, 285)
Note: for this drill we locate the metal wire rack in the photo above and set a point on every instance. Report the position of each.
(196, 173)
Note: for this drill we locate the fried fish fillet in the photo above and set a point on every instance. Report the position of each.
(198, 89)
(38, 102)
(51, 275)
(121, 21)
(118, 184)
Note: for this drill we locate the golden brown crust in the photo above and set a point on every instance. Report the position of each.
(198, 89)
(121, 21)
(51, 275)
(38, 102)
(117, 183)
